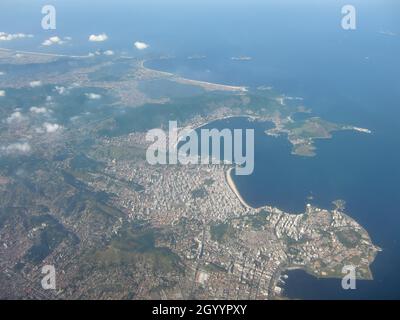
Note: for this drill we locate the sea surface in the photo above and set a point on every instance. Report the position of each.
(349, 78)
(300, 49)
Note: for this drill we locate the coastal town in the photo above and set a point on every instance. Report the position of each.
(247, 258)
(78, 193)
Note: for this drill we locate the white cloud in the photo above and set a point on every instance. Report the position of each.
(108, 53)
(38, 110)
(35, 84)
(49, 42)
(53, 40)
(19, 147)
(61, 90)
(140, 45)
(9, 36)
(98, 38)
(93, 96)
(15, 117)
(2, 73)
(2, 93)
(51, 127)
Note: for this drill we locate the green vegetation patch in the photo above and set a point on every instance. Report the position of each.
(82, 163)
(52, 233)
(349, 238)
(222, 232)
(313, 128)
(162, 88)
(213, 267)
(258, 221)
(133, 246)
(199, 193)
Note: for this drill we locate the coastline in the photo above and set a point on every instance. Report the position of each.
(199, 126)
(233, 187)
(210, 86)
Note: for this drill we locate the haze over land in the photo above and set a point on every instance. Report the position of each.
(77, 192)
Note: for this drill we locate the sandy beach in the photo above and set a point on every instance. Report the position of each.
(203, 84)
(233, 187)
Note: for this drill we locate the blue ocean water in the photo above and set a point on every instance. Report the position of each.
(299, 48)
(344, 77)
(345, 168)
